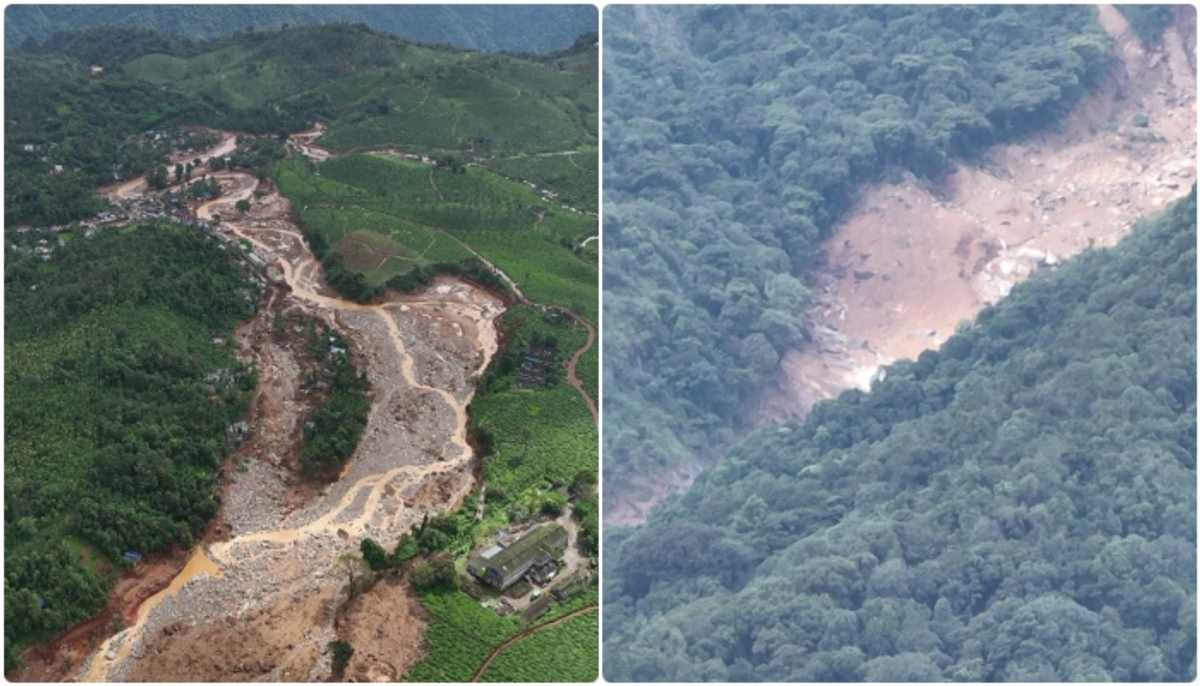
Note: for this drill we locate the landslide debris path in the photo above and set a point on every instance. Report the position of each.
(260, 605)
(907, 267)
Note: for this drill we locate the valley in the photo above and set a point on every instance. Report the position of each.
(379, 299)
(276, 542)
(912, 263)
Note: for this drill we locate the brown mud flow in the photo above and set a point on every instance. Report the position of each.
(909, 264)
(259, 599)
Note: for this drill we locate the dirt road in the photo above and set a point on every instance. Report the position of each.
(526, 634)
(574, 362)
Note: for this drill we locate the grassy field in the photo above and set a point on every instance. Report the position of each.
(376, 91)
(462, 633)
(543, 433)
(574, 176)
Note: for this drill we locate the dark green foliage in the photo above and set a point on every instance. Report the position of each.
(406, 549)
(342, 653)
(733, 148)
(435, 573)
(70, 118)
(1149, 21)
(374, 554)
(261, 84)
(107, 46)
(1018, 506)
(336, 425)
(116, 410)
(587, 511)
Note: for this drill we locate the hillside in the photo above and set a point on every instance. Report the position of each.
(71, 126)
(737, 139)
(423, 222)
(116, 409)
(490, 28)
(1016, 506)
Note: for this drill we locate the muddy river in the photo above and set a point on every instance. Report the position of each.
(264, 597)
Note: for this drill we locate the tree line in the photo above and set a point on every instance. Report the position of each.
(1019, 505)
(735, 140)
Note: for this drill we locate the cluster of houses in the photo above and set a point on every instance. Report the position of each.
(535, 366)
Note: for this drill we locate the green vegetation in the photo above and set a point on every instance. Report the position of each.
(422, 210)
(536, 432)
(59, 115)
(734, 147)
(1149, 21)
(460, 636)
(540, 29)
(117, 405)
(342, 653)
(1017, 506)
(338, 422)
(574, 175)
(372, 89)
(376, 219)
(569, 651)
(537, 442)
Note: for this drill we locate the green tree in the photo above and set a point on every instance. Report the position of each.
(342, 653)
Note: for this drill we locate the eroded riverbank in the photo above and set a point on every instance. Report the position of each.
(260, 602)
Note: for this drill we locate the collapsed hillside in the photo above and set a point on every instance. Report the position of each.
(911, 263)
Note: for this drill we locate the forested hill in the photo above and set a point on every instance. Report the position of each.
(735, 138)
(69, 128)
(512, 28)
(1017, 506)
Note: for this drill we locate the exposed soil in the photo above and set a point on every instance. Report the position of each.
(258, 599)
(574, 362)
(53, 661)
(386, 626)
(909, 265)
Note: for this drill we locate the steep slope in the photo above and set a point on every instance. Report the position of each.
(910, 264)
(735, 141)
(1017, 506)
(911, 260)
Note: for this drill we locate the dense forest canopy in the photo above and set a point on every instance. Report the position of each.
(1017, 506)
(512, 28)
(735, 137)
(116, 409)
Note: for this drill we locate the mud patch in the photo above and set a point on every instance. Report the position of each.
(386, 627)
(1124, 153)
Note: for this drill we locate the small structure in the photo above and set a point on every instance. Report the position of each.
(131, 557)
(501, 569)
